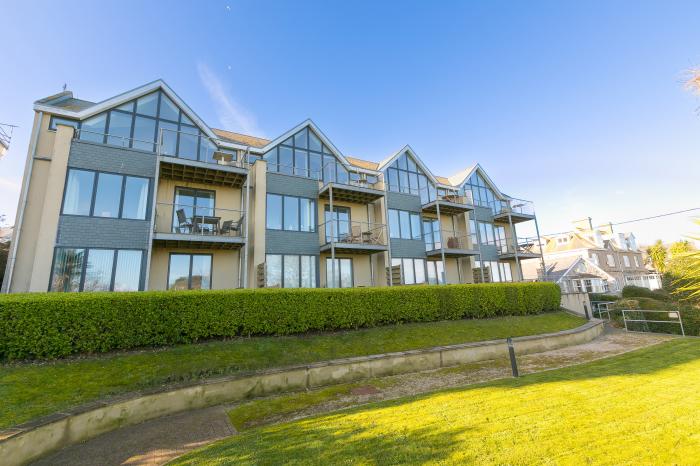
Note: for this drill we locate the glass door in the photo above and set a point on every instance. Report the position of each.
(340, 221)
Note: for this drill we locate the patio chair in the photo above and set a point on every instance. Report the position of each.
(356, 234)
(183, 223)
(234, 227)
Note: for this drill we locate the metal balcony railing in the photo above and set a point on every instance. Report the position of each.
(351, 232)
(513, 206)
(446, 239)
(199, 220)
(524, 246)
(197, 147)
(336, 173)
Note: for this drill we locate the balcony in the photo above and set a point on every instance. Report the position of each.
(449, 202)
(527, 248)
(186, 226)
(348, 237)
(448, 242)
(349, 185)
(513, 210)
(195, 158)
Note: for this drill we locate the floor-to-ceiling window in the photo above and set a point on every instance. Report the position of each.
(190, 271)
(146, 122)
(96, 269)
(339, 273)
(192, 203)
(337, 223)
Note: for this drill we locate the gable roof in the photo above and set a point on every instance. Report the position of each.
(459, 178)
(64, 104)
(241, 138)
(362, 163)
(389, 160)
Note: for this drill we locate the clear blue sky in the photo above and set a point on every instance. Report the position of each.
(577, 106)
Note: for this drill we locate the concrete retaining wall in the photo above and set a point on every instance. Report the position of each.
(30, 441)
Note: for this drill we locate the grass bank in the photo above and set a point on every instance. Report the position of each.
(30, 390)
(640, 407)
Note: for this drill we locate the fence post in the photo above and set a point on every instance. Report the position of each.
(511, 353)
(585, 309)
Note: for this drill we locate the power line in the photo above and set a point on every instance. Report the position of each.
(635, 220)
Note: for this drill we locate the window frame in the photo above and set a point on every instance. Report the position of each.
(95, 179)
(83, 267)
(299, 257)
(189, 276)
(314, 210)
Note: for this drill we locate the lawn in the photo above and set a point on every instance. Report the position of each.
(31, 390)
(638, 408)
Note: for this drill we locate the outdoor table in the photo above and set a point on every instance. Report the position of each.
(210, 222)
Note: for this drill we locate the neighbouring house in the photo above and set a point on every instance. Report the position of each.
(612, 256)
(136, 192)
(574, 274)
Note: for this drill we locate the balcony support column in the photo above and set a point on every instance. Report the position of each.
(153, 227)
(243, 261)
(515, 245)
(539, 242)
(330, 196)
(442, 246)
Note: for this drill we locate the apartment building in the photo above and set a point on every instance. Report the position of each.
(138, 193)
(613, 257)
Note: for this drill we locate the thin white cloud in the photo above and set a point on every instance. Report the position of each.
(232, 116)
(9, 185)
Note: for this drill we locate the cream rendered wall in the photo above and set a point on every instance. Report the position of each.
(53, 196)
(256, 230)
(224, 267)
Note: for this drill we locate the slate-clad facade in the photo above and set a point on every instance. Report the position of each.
(138, 193)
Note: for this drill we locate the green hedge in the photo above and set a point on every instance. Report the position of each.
(630, 291)
(52, 325)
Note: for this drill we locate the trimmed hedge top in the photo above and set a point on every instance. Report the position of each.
(52, 325)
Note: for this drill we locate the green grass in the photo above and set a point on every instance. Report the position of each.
(637, 408)
(31, 390)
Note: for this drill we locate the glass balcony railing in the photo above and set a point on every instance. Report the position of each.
(524, 246)
(202, 221)
(514, 206)
(171, 143)
(446, 239)
(196, 147)
(351, 232)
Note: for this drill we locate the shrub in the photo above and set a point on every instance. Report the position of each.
(641, 292)
(603, 297)
(54, 325)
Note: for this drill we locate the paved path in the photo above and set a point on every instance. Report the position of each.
(160, 440)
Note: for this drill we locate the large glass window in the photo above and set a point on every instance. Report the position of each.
(108, 195)
(98, 272)
(290, 271)
(128, 271)
(404, 224)
(339, 273)
(290, 213)
(193, 205)
(305, 155)
(119, 131)
(274, 212)
(67, 269)
(436, 272)
(79, 269)
(413, 271)
(337, 223)
(189, 272)
(112, 196)
(135, 198)
(78, 196)
(93, 129)
(481, 192)
(140, 125)
(405, 176)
